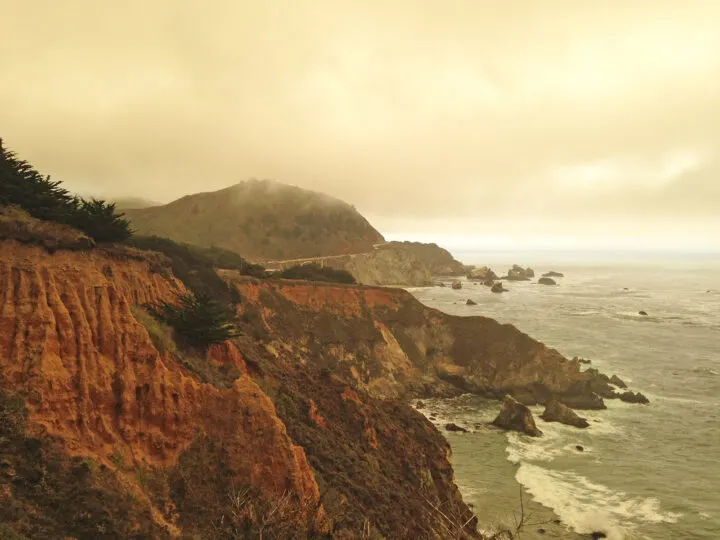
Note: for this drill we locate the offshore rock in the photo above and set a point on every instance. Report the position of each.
(517, 417)
(557, 412)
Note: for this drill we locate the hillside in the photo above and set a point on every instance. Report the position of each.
(261, 220)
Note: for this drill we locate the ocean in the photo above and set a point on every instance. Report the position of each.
(647, 471)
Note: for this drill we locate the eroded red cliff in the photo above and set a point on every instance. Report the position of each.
(93, 378)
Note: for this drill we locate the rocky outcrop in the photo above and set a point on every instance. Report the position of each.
(498, 288)
(557, 412)
(437, 260)
(518, 273)
(617, 381)
(633, 397)
(455, 427)
(457, 285)
(483, 274)
(553, 274)
(546, 281)
(517, 417)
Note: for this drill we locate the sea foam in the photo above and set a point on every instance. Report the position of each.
(586, 506)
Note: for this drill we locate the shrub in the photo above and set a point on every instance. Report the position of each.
(199, 319)
(314, 272)
(195, 266)
(98, 220)
(43, 198)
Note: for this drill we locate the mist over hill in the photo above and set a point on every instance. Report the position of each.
(261, 220)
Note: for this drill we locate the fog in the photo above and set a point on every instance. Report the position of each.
(558, 124)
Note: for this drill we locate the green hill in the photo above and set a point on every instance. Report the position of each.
(261, 220)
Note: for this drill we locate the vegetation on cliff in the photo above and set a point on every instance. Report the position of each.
(46, 199)
(46, 494)
(315, 272)
(262, 220)
(199, 320)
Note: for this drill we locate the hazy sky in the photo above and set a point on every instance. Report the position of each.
(521, 123)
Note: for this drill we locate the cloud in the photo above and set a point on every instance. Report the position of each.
(535, 117)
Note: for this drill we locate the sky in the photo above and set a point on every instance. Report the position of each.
(565, 124)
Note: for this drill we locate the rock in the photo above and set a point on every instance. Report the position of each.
(541, 531)
(579, 448)
(482, 274)
(440, 284)
(455, 427)
(557, 412)
(498, 288)
(633, 397)
(457, 285)
(432, 417)
(489, 282)
(552, 273)
(470, 303)
(617, 381)
(643, 313)
(419, 405)
(518, 273)
(516, 416)
(596, 535)
(583, 401)
(546, 281)
(581, 360)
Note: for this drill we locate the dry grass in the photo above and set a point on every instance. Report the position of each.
(16, 224)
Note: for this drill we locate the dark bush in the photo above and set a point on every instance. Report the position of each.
(43, 198)
(195, 266)
(315, 272)
(200, 320)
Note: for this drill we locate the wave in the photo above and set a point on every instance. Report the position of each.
(706, 371)
(588, 507)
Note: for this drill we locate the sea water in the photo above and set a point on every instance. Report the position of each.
(647, 471)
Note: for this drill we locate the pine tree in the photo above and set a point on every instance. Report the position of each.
(199, 319)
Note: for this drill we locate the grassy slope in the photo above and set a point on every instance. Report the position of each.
(261, 220)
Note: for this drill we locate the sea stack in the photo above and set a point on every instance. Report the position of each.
(517, 417)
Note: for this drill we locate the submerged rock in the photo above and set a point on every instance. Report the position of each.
(516, 416)
(552, 273)
(558, 412)
(633, 397)
(591, 402)
(617, 381)
(579, 448)
(546, 281)
(419, 405)
(455, 427)
(643, 313)
(470, 303)
(457, 285)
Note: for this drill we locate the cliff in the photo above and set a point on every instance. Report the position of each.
(112, 430)
(406, 264)
(387, 343)
(437, 260)
(261, 220)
